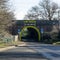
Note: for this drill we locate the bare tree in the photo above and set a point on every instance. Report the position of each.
(6, 15)
(45, 10)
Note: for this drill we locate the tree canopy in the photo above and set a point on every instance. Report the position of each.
(46, 10)
(6, 15)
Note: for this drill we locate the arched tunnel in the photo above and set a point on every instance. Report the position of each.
(30, 35)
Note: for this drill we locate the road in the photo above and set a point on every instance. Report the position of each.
(32, 51)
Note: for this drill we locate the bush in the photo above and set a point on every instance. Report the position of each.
(54, 36)
(46, 38)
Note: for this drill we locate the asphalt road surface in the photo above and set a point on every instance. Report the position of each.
(32, 51)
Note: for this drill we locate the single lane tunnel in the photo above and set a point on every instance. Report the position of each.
(30, 34)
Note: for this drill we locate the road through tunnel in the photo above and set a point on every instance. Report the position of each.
(30, 34)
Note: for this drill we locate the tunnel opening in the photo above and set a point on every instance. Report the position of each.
(30, 34)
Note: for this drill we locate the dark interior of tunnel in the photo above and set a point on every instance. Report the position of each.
(32, 35)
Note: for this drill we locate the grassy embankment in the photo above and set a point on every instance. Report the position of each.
(6, 44)
(56, 43)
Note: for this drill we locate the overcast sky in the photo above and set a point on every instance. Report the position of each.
(22, 6)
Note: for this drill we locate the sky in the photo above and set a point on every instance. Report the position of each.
(21, 7)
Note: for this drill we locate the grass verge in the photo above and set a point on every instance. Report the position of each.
(56, 43)
(3, 45)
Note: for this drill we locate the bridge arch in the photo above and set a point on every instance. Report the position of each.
(33, 27)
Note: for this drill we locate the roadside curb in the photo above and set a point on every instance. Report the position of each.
(10, 47)
(22, 44)
(3, 49)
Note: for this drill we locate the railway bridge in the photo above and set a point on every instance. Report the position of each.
(34, 29)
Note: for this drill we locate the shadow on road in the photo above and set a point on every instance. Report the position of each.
(21, 54)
